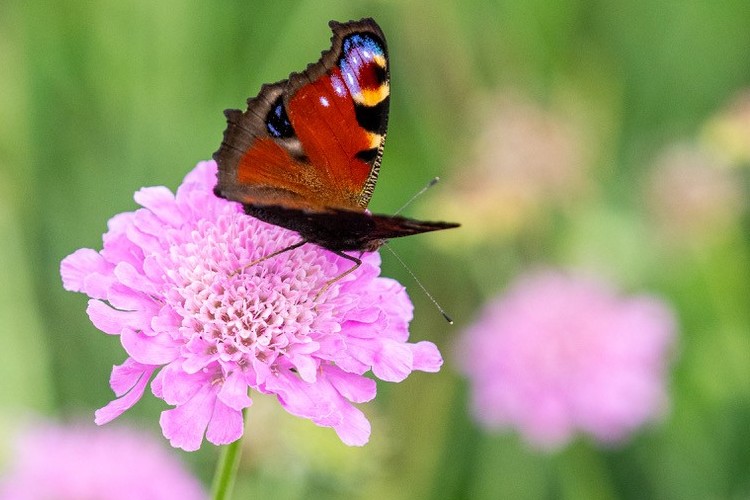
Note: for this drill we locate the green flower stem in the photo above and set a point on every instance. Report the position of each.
(226, 470)
(583, 473)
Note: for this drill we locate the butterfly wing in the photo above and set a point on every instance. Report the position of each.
(315, 140)
(340, 229)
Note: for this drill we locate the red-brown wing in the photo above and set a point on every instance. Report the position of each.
(315, 140)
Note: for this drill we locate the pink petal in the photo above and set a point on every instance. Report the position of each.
(225, 426)
(349, 364)
(259, 375)
(97, 286)
(365, 315)
(166, 320)
(390, 360)
(78, 266)
(153, 269)
(177, 387)
(160, 201)
(362, 330)
(147, 243)
(133, 279)
(118, 224)
(202, 178)
(184, 425)
(330, 347)
(393, 363)
(303, 399)
(354, 429)
(157, 385)
(355, 388)
(300, 356)
(196, 204)
(427, 357)
(127, 299)
(117, 407)
(125, 376)
(112, 321)
(366, 274)
(233, 392)
(150, 350)
(396, 305)
(117, 247)
(149, 223)
(322, 404)
(198, 354)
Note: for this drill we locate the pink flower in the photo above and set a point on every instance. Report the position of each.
(166, 283)
(693, 196)
(72, 463)
(557, 355)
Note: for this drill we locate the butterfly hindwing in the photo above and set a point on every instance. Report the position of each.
(316, 139)
(342, 229)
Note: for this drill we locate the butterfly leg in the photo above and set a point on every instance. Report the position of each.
(357, 263)
(270, 255)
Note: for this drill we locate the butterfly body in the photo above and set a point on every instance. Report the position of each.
(306, 154)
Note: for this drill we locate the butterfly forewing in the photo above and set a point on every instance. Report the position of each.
(316, 139)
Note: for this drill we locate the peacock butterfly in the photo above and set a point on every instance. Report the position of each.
(306, 154)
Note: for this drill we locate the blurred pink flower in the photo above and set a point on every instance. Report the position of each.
(74, 463)
(166, 283)
(692, 194)
(557, 355)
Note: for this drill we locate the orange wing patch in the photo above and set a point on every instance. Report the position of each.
(277, 178)
(326, 124)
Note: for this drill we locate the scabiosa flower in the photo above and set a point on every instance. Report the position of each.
(557, 355)
(75, 462)
(167, 283)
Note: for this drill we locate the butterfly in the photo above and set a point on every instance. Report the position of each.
(306, 153)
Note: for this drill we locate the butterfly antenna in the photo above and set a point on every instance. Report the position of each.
(417, 195)
(429, 295)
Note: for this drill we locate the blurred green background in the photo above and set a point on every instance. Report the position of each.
(98, 99)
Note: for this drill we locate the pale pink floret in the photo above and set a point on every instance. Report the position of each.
(166, 283)
(556, 355)
(74, 463)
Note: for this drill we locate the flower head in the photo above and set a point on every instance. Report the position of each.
(71, 463)
(557, 355)
(167, 282)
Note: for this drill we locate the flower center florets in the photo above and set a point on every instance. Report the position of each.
(234, 311)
